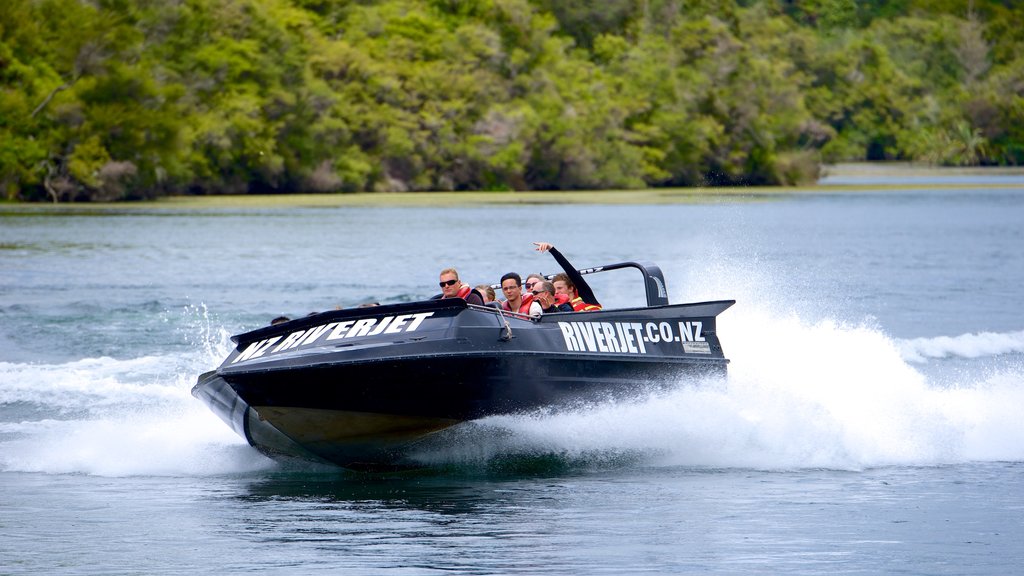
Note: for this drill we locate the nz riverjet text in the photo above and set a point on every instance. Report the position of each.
(334, 331)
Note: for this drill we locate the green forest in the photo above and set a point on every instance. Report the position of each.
(107, 100)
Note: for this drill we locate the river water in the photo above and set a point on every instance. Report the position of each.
(872, 420)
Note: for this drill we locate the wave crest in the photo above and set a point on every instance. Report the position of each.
(974, 345)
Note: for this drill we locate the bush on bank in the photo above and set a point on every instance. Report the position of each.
(125, 99)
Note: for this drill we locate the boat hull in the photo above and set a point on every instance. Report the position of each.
(365, 401)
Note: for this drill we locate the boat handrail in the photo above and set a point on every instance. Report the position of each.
(500, 311)
(654, 280)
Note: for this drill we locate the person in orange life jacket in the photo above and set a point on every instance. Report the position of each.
(515, 299)
(487, 292)
(544, 292)
(566, 289)
(452, 287)
(585, 299)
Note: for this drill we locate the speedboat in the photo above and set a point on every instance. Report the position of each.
(362, 388)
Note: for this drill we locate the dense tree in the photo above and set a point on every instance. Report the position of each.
(121, 99)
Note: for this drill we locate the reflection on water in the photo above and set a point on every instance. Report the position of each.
(452, 488)
(411, 491)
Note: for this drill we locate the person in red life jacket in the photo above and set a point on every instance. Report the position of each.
(515, 299)
(544, 292)
(487, 291)
(564, 288)
(452, 287)
(582, 298)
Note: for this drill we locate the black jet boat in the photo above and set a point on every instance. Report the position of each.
(360, 388)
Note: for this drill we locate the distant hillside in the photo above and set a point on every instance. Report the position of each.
(120, 99)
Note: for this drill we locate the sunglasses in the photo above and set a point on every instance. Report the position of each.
(529, 285)
(447, 283)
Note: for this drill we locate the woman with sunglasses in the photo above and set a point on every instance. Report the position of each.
(532, 280)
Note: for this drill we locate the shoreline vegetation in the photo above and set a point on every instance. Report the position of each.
(107, 100)
(897, 176)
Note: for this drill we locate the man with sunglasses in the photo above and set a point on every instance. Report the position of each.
(452, 287)
(544, 292)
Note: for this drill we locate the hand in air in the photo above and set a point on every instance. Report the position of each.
(543, 246)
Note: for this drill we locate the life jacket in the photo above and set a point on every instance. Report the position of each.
(524, 307)
(580, 306)
(466, 291)
(561, 299)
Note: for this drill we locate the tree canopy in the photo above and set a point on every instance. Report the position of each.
(124, 99)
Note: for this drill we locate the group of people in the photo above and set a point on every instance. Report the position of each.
(565, 292)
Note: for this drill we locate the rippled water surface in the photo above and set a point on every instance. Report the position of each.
(872, 420)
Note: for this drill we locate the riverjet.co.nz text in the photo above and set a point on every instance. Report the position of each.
(334, 331)
(631, 337)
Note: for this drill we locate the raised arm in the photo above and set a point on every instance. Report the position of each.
(582, 288)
